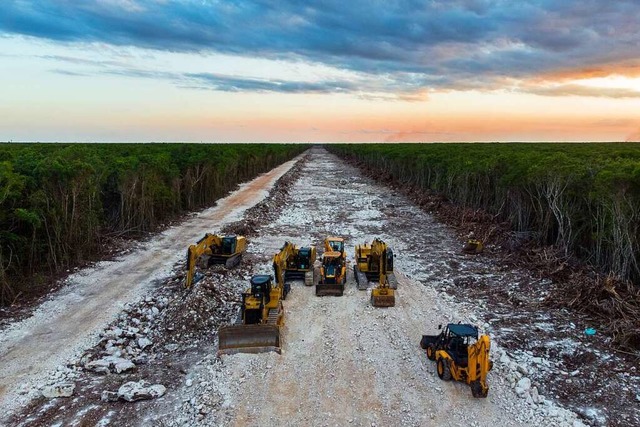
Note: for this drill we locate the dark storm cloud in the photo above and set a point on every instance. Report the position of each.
(438, 44)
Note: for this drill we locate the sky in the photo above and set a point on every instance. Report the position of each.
(323, 71)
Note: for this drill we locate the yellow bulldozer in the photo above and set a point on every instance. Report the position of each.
(333, 271)
(374, 262)
(460, 354)
(213, 249)
(257, 328)
(295, 263)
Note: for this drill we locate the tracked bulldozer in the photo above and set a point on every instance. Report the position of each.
(213, 249)
(257, 328)
(295, 262)
(372, 261)
(333, 271)
(460, 354)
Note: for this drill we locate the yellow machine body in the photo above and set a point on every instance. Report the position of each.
(333, 274)
(461, 355)
(214, 249)
(374, 262)
(473, 246)
(257, 328)
(295, 262)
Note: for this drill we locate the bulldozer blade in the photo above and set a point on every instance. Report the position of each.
(248, 339)
(383, 300)
(329, 290)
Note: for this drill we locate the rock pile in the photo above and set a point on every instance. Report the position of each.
(517, 374)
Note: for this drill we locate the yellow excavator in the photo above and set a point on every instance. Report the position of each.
(461, 354)
(333, 271)
(214, 249)
(374, 262)
(257, 328)
(295, 263)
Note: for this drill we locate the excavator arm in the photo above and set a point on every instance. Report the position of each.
(280, 266)
(383, 295)
(479, 366)
(194, 252)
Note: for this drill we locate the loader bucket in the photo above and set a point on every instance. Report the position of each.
(248, 339)
(383, 298)
(327, 289)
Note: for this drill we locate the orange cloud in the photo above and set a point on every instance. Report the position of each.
(626, 69)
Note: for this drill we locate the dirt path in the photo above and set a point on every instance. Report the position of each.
(67, 323)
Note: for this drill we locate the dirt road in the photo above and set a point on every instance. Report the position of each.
(68, 323)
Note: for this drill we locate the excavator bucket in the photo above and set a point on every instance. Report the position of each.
(248, 339)
(383, 298)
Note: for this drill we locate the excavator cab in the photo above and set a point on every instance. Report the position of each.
(303, 260)
(336, 245)
(389, 259)
(229, 245)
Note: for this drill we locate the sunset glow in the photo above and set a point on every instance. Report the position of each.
(467, 70)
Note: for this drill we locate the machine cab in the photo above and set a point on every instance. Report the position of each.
(304, 258)
(336, 245)
(332, 263)
(261, 287)
(389, 260)
(229, 244)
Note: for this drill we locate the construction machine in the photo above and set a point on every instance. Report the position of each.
(460, 353)
(257, 328)
(214, 249)
(333, 271)
(374, 263)
(295, 263)
(473, 246)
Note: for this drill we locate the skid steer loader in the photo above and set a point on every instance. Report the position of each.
(257, 328)
(333, 271)
(460, 354)
(213, 249)
(371, 260)
(295, 262)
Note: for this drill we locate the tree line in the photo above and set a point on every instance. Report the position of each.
(584, 198)
(60, 202)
